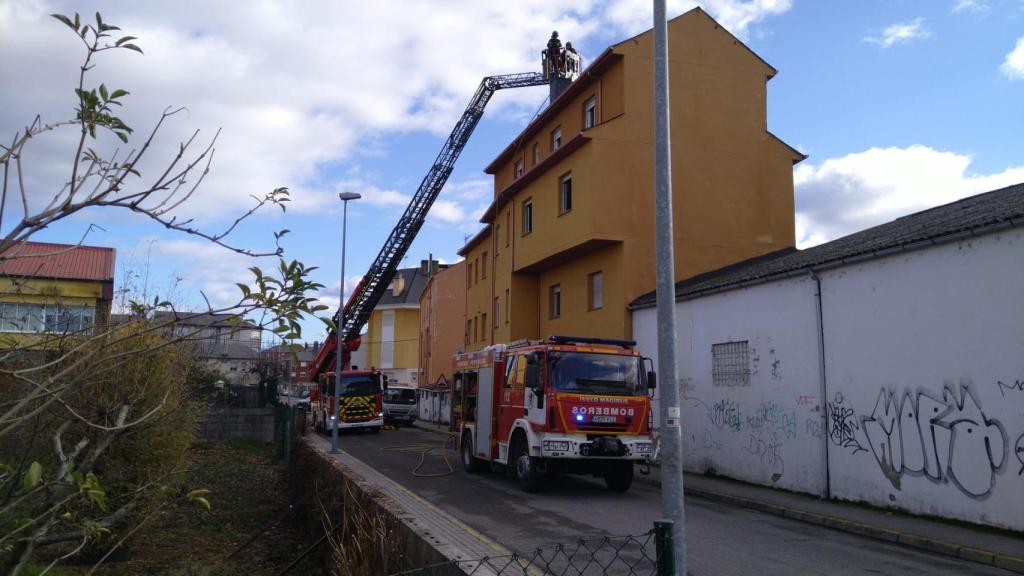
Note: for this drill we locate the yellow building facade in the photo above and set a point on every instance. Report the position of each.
(569, 240)
(48, 289)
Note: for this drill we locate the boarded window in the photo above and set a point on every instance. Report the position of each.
(730, 364)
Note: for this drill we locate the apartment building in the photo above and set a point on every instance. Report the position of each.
(569, 237)
(442, 305)
(393, 330)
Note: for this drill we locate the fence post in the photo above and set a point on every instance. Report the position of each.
(663, 548)
(289, 417)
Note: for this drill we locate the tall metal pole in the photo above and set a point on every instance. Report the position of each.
(671, 433)
(339, 334)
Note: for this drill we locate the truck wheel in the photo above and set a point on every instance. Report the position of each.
(619, 476)
(470, 464)
(524, 467)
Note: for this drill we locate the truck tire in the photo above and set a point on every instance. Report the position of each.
(470, 464)
(524, 467)
(619, 476)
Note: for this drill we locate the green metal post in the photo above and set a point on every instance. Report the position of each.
(663, 547)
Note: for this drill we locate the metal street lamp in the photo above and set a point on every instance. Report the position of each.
(345, 197)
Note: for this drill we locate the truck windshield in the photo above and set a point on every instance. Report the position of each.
(399, 396)
(356, 385)
(584, 373)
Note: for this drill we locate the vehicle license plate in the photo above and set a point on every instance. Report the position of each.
(604, 419)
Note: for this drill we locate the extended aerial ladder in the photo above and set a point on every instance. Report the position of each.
(370, 289)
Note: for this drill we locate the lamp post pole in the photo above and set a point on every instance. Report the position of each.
(671, 431)
(340, 336)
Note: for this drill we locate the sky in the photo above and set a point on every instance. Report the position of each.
(900, 105)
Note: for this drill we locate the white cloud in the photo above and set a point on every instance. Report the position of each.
(1013, 65)
(293, 87)
(863, 189)
(296, 87)
(973, 6)
(632, 17)
(901, 33)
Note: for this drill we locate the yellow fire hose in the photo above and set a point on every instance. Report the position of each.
(424, 450)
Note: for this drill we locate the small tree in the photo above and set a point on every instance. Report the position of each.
(94, 425)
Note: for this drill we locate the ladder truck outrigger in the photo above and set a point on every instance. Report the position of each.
(561, 66)
(562, 405)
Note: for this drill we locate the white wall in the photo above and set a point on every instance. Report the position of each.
(916, 348)
(938, 331)
(769, 432)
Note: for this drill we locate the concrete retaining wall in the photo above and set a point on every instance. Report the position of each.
(326, 485)
(239, 423)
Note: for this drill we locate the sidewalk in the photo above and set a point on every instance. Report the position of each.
(991, 547)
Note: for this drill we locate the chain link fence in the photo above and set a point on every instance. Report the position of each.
(634, 555)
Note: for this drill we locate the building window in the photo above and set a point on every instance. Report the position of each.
(527, 217)
(555, 301)
(595, 291)
(556, 138)
(469, 330)
(519, 167)
(50, 318)
(508, 226)
(476, 270)
(470, 276)
(730, 364)
(536, 153)
(497, 311)
(590, 113)
(483, 265)
(497, 239)
(483, 326)
(508, 305)
(565, 194)
(476, 332)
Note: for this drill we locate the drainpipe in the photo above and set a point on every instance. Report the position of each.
(823, 403)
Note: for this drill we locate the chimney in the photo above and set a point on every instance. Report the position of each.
(561, 66)
(398, 285)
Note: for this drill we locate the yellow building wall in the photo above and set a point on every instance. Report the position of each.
(41, 291)
(478, 294)
(577, 319)
(406, 338)
(732, 184)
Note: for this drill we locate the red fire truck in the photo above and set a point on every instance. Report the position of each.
(361, 404)
(561, 405)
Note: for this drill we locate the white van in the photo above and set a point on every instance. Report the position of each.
(400, 404)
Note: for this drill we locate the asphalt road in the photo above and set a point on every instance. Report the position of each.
(720, 539)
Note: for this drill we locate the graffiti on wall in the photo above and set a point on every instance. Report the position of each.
(1018, 449)
(1017, 385)
(767, 429)
(841, 421)
(941, 437)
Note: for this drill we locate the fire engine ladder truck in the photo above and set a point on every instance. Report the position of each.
(366, 295)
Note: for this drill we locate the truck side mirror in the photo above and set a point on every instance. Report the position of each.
(652, 380)
(384, 381)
